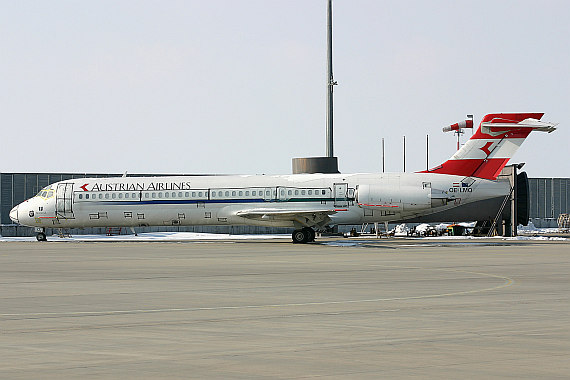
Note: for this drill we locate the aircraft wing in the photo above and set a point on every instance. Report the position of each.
(305, 217)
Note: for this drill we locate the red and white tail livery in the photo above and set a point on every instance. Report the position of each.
(487, 152)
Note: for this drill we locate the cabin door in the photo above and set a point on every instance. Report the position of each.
(64, 201)
(269, 194)
(282, 194)
(340, 194)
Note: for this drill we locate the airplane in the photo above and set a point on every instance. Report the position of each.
(306, 202)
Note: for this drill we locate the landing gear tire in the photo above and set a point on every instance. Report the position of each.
(311, 234)
(303, 235)
(41, 236)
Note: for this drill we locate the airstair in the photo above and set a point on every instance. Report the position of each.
(113, 231)
(493, 229)
(63, 233)
(564, 222)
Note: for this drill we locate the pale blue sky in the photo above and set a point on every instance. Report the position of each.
(239, 86)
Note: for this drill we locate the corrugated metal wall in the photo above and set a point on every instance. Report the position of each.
(549, 197)
(17, 187)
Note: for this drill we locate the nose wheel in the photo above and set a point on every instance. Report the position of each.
(304, 235)
(41, 234)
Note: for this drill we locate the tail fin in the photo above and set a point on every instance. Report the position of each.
(487, 152)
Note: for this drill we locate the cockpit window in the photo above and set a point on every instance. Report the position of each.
(46, 192)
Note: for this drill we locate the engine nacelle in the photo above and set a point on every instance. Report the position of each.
(396, 198)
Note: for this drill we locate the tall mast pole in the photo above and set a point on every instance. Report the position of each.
(330, 83)
(329, 163)
(382, 154)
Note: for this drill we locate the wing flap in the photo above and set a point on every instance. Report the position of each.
(307, 218)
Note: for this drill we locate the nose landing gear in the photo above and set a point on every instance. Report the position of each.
(304, 235)
(41, 234)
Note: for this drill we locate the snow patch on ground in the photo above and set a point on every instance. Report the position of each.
(401, 230)
(536, 238)
(532, 229)
(154, 236)
(342, 243)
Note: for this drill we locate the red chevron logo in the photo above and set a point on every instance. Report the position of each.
(486, 148)
(84, 187)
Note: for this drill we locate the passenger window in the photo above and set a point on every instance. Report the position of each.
(160, 195)
(324, 192)
(240, 193)
(253, 193)
(213, 194)
(154, 195)
(227, 193)
(126, 195)
(233, 193)
(120, 195)
(267, 193)
(220, 193)
(134, 195)
(296, 192)
(193, 194)
(310, 192)
(114, 195)
(166, 195)
(179, 195)
(100, 196)
(80, 196)
(289, 192)
(146, 195)
(200, 194)
(107, 196)
(302, 192)
(247, 193)
(86, 196)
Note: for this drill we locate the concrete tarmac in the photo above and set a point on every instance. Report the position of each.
(275, 310)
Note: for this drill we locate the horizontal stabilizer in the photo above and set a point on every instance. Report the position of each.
(492, 128)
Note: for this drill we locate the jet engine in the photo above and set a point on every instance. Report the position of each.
(406, 198)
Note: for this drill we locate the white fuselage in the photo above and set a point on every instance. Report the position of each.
(281, 200)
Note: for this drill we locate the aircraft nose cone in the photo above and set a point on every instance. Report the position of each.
(14, 214)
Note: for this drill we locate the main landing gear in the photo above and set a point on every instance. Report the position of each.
(304, 235)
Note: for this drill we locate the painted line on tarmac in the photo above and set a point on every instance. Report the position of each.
(507, 282)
